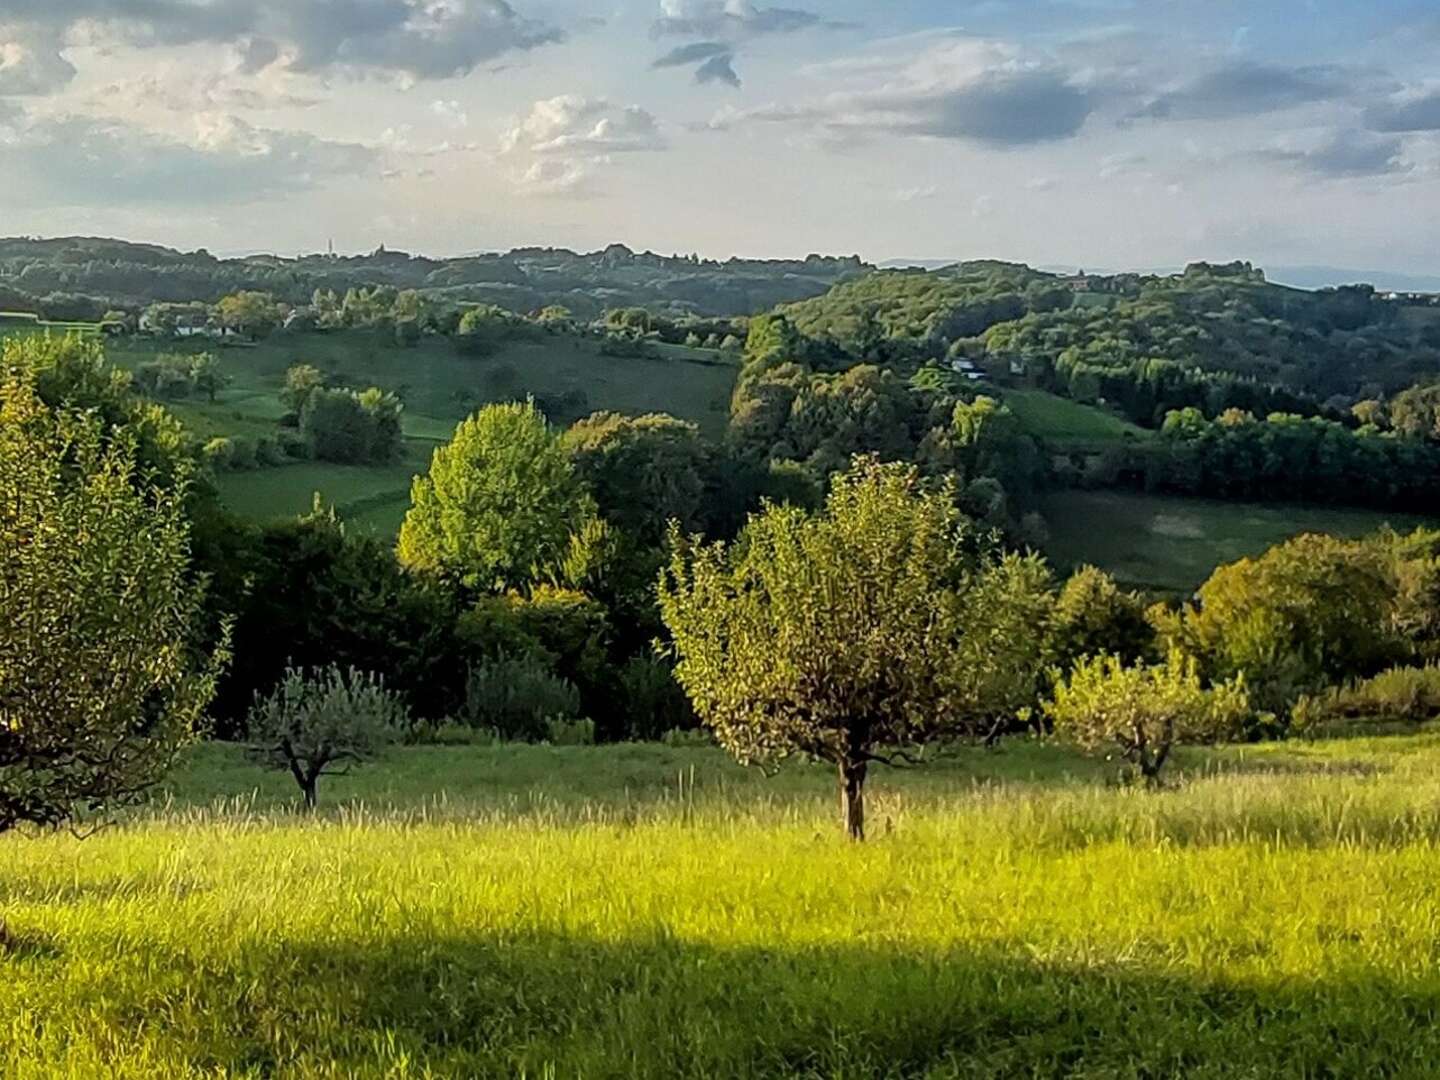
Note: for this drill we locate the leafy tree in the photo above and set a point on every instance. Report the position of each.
(1309, 612)
(499, 503)
(320, 723)
(852, 635)
(100, 685)
(254, 314)
(1145, 711)
(643, 471)
(301, 381)
(206, 375)
(351, 428)
(1094, 617)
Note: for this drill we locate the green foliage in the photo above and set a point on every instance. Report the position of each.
(499, 503)
(352, 428)
(320, 722)
(881, 623)
(643, 472)
(519, 696)
(654, 702)
(254, 314)
(101, 683)
(1145, 711)
(1400, 695)
(1309, 612)
(1094, 617)
(301, 382)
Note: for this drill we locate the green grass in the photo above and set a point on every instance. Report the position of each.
(529, 911)
(1173, 544)
(439, 387)
(1068, 425)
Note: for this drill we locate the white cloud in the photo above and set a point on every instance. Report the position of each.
(450, 113)
(563, 141)
(84, 161)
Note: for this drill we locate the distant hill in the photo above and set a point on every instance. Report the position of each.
(77, 277)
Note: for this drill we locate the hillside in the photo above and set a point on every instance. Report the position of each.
(79, 277)
(439, 387)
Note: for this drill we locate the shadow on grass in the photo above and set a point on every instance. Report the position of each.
(546, 1004)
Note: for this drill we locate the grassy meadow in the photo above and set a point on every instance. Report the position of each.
(1172, 544)
(1069, 425)
(654, 911)
(439, 387)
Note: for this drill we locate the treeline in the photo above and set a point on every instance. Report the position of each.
(81, 278)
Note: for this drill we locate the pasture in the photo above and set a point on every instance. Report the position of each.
(439, 388)
(654, 911)
(1069, 425)
(1172, 544)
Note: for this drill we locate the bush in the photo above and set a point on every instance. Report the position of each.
(269, 453)
(219, 454)
(244, 455)
(1402, 695)
(655, 704)
(1145, 711)
(570, 732)
(314, 721)
(518, 697)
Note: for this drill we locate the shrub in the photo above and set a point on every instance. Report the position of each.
(1145, 711)
(319, 723)
(518, 697)
(1401, 695)
(219, 454)
(269, 453)
(244, 455)
(654, 702)
(570, 732)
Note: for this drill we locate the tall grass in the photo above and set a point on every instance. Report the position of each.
(642, 911)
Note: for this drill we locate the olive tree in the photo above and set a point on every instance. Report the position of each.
(1145, 711)
(101, 683)
(857, 634)
(321, 722)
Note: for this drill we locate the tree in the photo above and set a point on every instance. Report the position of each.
(301, 381)
(643, 471)
(206, 376)
(1094, 617)
(254, 314)
(100, 685)
(320, 723)
(1145, 711)
(856, 634)
(499, 503)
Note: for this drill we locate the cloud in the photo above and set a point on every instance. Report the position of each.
(1410, 112)
(450, 113)
(1246, 88)
(566, 139)
(723, 27)
(732, 20)
(718, 69)
(187, 92)
(1346, 154)
(407, 39)
(82, 161)
(978, 91)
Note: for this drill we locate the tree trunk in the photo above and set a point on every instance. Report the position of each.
(308, 787)
(852, 798)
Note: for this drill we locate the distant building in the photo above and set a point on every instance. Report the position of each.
(967, 369)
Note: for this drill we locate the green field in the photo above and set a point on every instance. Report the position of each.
(1173, 544)
(641, 911)
(1066, 424)
(21, 322)
(439, 387)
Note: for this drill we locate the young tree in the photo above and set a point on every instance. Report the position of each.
(99, 683)
(254, 314)
(856, 634)
(1145, 711)
(320, 723)
(301, 381)
(206, 375)
(500, 502)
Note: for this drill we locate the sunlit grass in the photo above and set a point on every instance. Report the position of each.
(657, 912)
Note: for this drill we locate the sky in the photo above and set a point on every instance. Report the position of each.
(1097, 133)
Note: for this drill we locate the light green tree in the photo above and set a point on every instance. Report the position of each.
(857, 634)
(321, 723)
(499, 504)
(1145, 711)
(100, 685)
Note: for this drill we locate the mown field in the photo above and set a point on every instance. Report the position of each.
(657, 912)
(1172, 544)
(439, 388)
